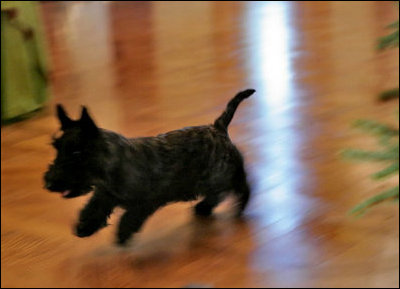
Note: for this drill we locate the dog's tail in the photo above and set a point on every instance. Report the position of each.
(223, 121)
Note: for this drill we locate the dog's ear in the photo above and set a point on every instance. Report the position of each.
(87, 122)
(65, 121)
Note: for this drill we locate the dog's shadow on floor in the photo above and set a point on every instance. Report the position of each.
(198, 237)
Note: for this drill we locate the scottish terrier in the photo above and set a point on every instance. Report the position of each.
(146, 173)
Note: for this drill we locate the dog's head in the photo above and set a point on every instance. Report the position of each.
(76, 165)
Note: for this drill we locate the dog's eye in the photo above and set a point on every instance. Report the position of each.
(76, 153)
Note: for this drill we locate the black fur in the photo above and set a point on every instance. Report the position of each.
(144, 174)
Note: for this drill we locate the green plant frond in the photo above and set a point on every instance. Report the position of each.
(390, 170)
(386, 195)
(386, 141)
(389, 94)
(387, 136)
(375, 127)
(388, 41)
(394, 25)
(371, 155)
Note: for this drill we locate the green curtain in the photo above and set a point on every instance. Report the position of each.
(24, 65)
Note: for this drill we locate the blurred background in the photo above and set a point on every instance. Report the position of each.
(144, 68)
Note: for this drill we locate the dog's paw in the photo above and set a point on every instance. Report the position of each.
(82, 230)
(123, 239)
(87, 229)
(121, 242)
(202, 210)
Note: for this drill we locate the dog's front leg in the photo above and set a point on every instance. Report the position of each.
(94, 216)
(131, 222)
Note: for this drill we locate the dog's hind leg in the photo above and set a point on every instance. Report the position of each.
(241, 189)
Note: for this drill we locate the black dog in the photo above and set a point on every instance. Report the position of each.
(144, 174)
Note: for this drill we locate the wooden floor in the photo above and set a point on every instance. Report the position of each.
(144, 68)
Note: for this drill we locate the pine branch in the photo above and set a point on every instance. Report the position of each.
(394, 25)
(389, 94)
(391, 40)
(386, 195)
(375, 127)
(388, 136)
(371, 155)
(390, 170)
